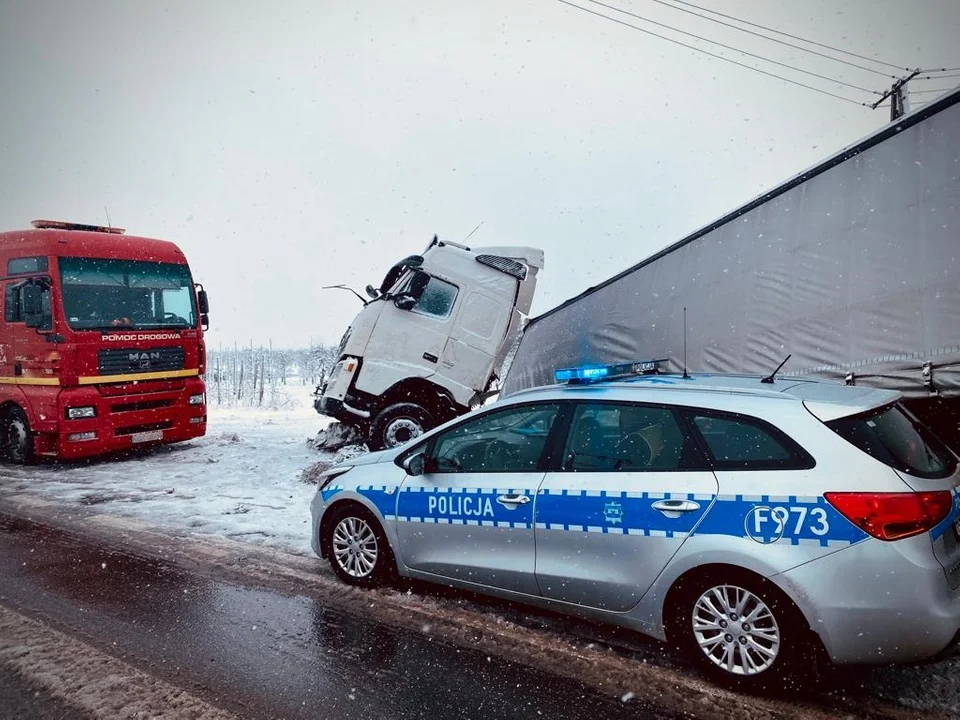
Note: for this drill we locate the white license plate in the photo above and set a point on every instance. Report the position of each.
(149, 436)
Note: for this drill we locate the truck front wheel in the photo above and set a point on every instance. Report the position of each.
(16, 437)
(396, 424)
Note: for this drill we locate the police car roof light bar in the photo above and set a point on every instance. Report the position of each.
(595, 373)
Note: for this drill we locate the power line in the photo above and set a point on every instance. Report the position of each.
(926, 92)
(786, 34)
(734, 49)
(937, 77)
(714, 55)
(773, 39)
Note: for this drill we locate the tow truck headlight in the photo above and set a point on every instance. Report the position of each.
(76, 413)
(197, 399)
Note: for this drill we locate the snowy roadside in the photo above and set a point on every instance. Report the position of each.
(241, 481)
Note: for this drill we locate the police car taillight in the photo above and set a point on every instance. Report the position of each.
(893, 516)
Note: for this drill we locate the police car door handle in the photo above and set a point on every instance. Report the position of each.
(513, 500)
(673, 508)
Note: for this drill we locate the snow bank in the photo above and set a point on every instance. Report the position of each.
(243, 481)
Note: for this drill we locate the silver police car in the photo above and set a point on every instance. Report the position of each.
(759, 524)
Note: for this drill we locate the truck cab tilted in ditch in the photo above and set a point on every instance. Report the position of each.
(430, 340)
(101, 342)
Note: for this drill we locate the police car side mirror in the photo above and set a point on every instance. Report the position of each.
(414, 464)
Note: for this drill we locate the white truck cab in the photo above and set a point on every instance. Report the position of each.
(430, 340)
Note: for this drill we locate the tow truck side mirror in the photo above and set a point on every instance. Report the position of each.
(203, 301)
(32, 298)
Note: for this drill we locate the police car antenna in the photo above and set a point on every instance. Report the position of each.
(769, 378)
(685, 375)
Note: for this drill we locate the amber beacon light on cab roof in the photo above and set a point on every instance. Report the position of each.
(101, 343)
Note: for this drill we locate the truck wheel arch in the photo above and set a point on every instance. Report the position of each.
(433, 398)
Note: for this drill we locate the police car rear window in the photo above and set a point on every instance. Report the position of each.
(737, 442)
(894, 437)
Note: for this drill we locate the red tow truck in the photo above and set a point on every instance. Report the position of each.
(101, 343)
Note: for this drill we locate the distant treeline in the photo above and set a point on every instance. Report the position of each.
(252, 376)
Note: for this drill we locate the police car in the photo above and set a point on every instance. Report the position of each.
(761, 523)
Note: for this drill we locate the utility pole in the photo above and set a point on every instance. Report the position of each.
(898, 96)
(898, 100)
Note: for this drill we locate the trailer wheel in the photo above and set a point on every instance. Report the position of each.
(397, 424)
(16, 437)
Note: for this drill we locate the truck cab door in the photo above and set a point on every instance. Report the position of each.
(408, 342)
(475, 338)
(23, 350)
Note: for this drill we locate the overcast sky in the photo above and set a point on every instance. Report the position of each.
(290, 145)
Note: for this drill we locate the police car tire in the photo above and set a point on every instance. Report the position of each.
(795, 661)
(395, 412)
(17, 439)
(384, 569)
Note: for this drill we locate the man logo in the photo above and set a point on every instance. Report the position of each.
(144, 356)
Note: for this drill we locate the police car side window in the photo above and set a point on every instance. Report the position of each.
(737, 442)
(627, 437)
(509, 440)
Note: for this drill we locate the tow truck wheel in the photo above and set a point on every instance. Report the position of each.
(17, 440)
(744, 632)
(397, 424)
(357, 548)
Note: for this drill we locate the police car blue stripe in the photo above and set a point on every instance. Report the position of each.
(797, 520)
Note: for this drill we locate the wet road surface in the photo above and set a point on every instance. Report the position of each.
(258, 652)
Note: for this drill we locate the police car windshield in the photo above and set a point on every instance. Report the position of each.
(101, 294)
(895, 438)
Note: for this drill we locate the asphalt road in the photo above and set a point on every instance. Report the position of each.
(256, 652)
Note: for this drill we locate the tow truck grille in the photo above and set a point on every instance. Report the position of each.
(133, 360)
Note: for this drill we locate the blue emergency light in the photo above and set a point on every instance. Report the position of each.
(594, 373)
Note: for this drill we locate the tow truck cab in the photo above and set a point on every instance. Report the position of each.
(101, 342)
(430, 339)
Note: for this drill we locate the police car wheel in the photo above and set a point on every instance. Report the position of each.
(17, 440)
(744, 632)
(357, 548)
(397, 424)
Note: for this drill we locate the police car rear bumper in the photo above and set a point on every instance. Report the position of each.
(878, 602)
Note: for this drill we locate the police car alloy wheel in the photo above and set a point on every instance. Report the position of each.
(736, 630)
(357, 549)
(744, 632)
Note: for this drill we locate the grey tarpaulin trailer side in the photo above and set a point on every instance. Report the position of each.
(852, 266)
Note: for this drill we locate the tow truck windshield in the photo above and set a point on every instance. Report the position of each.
(101, 294)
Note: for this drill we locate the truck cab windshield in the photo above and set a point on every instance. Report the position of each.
(101, 294)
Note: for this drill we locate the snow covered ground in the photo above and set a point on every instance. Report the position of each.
(241, 481)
